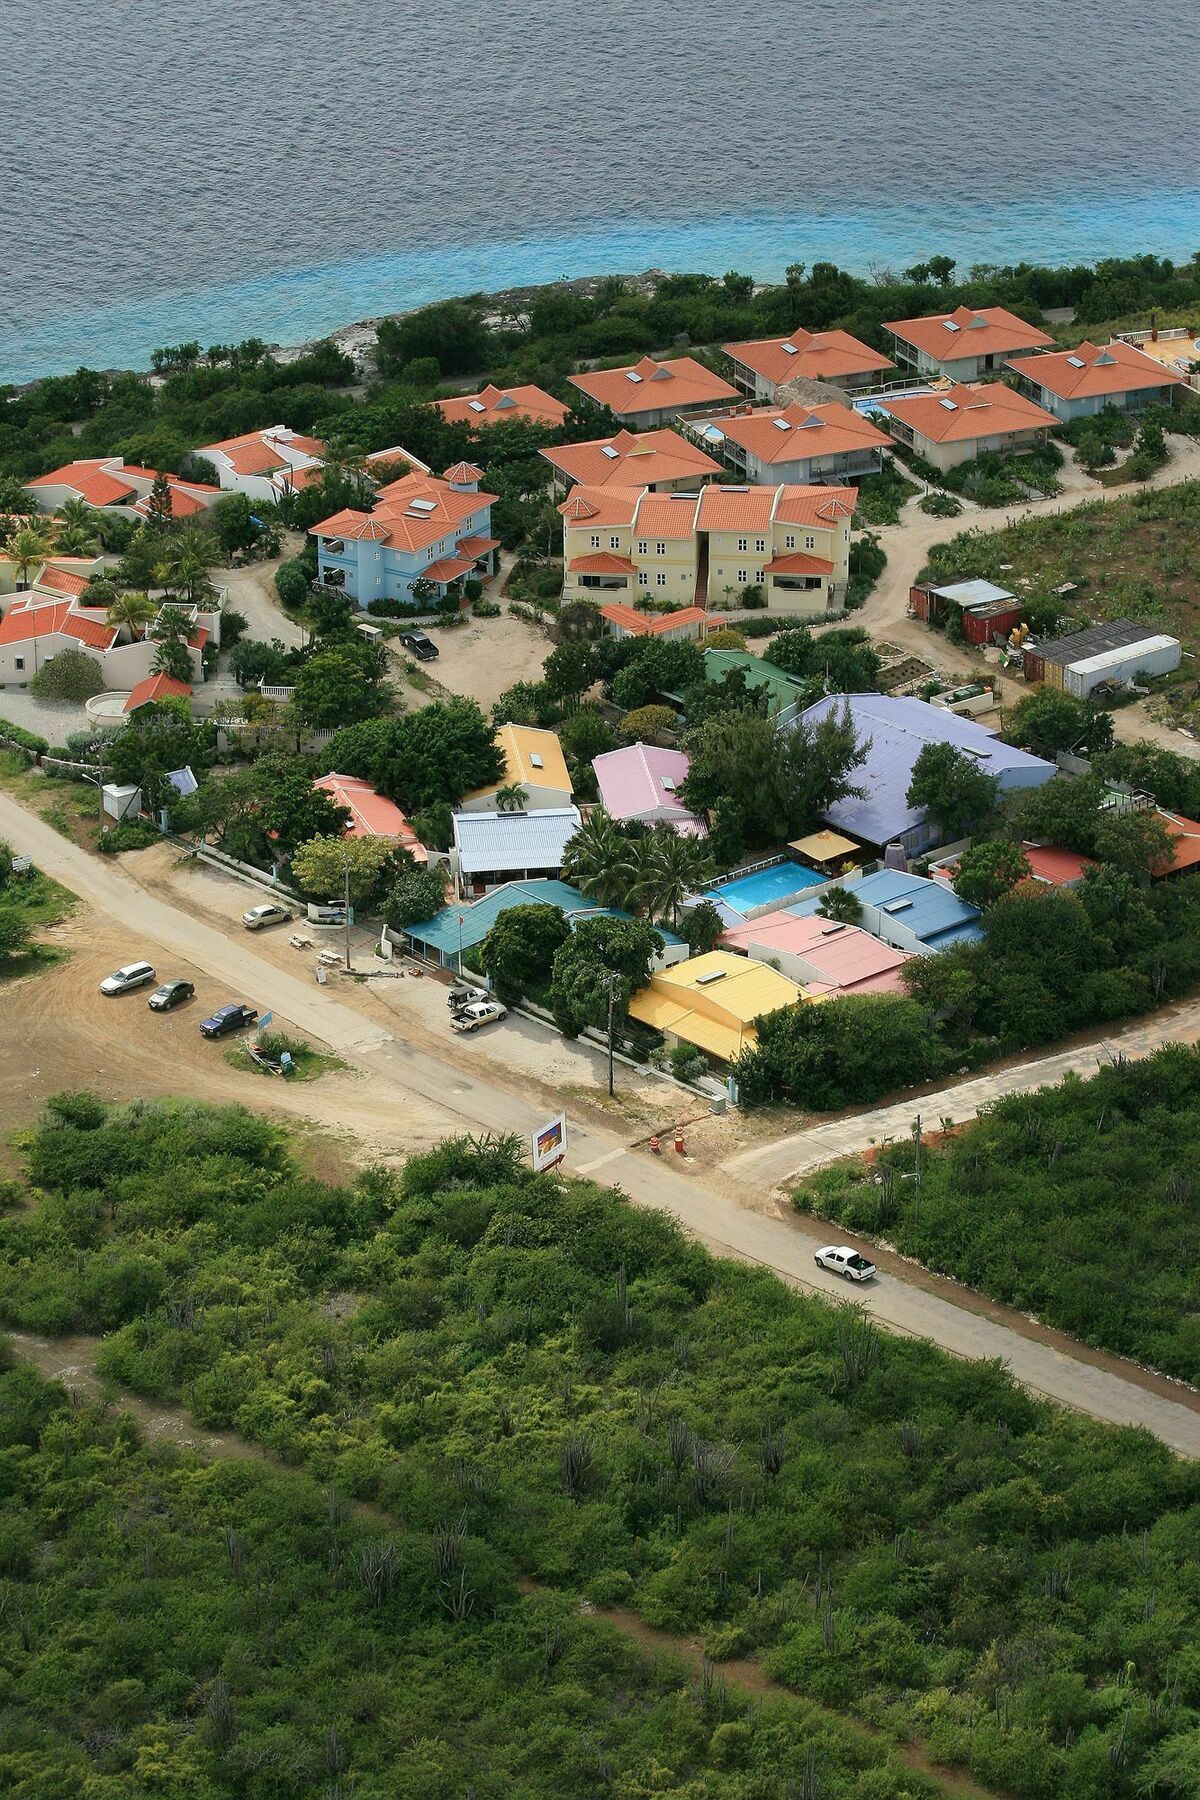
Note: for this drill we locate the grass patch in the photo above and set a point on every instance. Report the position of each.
(71, 807)
(307, 1064)
(39, 902)
(880, 497)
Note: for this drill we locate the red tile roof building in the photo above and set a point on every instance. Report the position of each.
(108, 481)
(371, 813)
(960, 423)
(796, 444)
(966, 344)
(662, 460)
(493, 406)
(419, 528)
(1073, 384)
(834, 357)
(157, 687)
(651, 393)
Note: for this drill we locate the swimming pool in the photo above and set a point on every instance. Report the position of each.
(765, 887)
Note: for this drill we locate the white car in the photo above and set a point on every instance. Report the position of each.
(839, 1259)
(482, 1012)
(268, 914)
(123, 981)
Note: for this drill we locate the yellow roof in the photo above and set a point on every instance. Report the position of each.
(823, 846)
(519, 744)
(666, 1014)
(712, 1000)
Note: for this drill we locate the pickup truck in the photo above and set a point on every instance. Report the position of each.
(228, 1018)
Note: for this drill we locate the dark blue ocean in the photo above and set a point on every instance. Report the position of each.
(216, 168)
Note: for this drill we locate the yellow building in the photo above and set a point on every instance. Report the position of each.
(703, 549)
(712, 1001)
(533, 760)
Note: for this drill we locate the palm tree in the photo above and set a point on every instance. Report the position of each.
(839, 904)
(173, 627)
(599, 860)
(345, 463)
(173, 660)
(187, 563)
(78, 512)
(671, 866)
(28, 545)
(134, 609)
(511, 798)
(76, 540)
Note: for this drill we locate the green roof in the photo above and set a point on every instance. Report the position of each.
(784, 689)
(441, 933)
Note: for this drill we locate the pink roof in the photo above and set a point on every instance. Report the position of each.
(844, 957)
(631, 785)
(371, 814)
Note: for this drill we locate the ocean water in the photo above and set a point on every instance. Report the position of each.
(281, 167)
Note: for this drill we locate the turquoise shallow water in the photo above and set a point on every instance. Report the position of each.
(244, 167)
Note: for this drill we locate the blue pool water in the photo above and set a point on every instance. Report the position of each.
(779, 882)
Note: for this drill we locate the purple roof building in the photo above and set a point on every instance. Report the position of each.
(643, 782)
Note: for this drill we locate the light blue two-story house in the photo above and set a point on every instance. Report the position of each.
(419, 528)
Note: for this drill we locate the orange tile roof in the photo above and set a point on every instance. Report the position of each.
(736, 509)
(631, 459)
(647, 386)
(91, 480)
(1089, 370)
(250, 454)
(371, 814)
(409, 514)
(23, 623)
(601, 562)
(308, 446)
(157, 687)
(666, 515)
(477, 546)
(795, 433)
(815, 355)
(969, 331)
(964, 412)
(640, 624)
(183, 504)
(493, 405)
(1185, 834)
(798, 562)
(823, 507)
(463, 473)
(298, 479)
(448, 568)
(1058, 867)
(600, 507)
(61, 581)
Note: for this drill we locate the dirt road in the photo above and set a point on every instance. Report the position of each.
(402, 1093)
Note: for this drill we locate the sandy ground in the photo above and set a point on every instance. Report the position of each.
(485, 656)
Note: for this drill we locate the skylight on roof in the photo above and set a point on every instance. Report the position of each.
(809, 423)
(897, 906)
(974, 750)
(789, 349)
(1105, 359)
(736, 490)
(476, 406)
(950, 405)
(505, 400)
(632, 375)
(611, 454)
(977, 324)
(950, 325)
(782, 424)
(661, 374)
(535, 761)
(710, 976)
(422, 506)
(1077, 362)
(667, 785)
(828, 930)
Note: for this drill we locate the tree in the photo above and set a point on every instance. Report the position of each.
(320, 865)
(28, 547)
(438, 753)
(252, 662)
(511, 797)
(1136, 842)
(647, 724)
(414, 897)
(337, 687)
(569, 670)
(702, 927)
(158, 739)
(670, 866)
(846, 1051)
(951, 787)
(293, 582)
(434, 826)
(840, 904)
(989, 870)
(601, 952)
(173, 660)
(1049, 720)
(656, 666)
(578, 621)
(518, 952)
(777, 782)
(842, 661)
(191, 554)
(75, 540)
(599, 860)
(585, 734)
(71, 675)
(134, 610)
(15, 934)
(160, 510)
(232, 521)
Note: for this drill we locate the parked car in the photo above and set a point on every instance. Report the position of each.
(480, 1012)
(171, 993)
(124, 980)
(464, 994)
(418, 645)
(269, 913)
(840, 1259)
(228, 1018)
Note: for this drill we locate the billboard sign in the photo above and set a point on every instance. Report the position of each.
(550, 1142)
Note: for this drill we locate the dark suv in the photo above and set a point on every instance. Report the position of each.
(228, 1018)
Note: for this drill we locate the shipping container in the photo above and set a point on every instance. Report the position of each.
(1153, 656)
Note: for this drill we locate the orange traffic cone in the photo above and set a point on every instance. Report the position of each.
(679, 1139)
(655, 1145)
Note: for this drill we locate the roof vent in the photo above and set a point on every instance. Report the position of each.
(476, 406)
(897, 906)
(735, 490)
(632, 375)
(977, 324)
(975, 751)
(711, 975)
(950, 325)
(1104, 359)
(950, 405)
(809, 423)
(535, 761)
(789, 349)
(829, 930)
(1076, 362)
(612, 455)
(661, 374)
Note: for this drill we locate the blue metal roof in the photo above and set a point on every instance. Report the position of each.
(441, 933)
(932, 911)
(489, 841)
(897, 731)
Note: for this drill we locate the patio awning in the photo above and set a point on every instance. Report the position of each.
(824, 846)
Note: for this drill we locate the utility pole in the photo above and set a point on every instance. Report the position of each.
(613, 979)
(346, 904)
(917, 1167)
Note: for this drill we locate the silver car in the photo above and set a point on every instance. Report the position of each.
(269, 913)
(124, 980)
(840, 1259)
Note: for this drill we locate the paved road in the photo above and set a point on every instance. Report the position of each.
(1116, 1394)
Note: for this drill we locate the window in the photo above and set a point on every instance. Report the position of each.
(379, 556)
(660, 549)
(743, 543)
(643, 549)
(760, 544)
(789, 542)
(595, 540)
(18, 663)
(810, 543)
(614, 543)
(743, 576)
(661, 578)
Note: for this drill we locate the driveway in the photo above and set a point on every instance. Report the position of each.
(394, 1070)
(51, 719)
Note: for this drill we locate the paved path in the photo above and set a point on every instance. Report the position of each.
(1108, 1390)
(784, 1158)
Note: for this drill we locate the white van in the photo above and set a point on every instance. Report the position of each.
(330, 912)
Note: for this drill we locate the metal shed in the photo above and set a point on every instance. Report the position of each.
(1157, 655)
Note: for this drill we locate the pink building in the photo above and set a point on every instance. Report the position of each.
(826, 958)
(643, 782)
